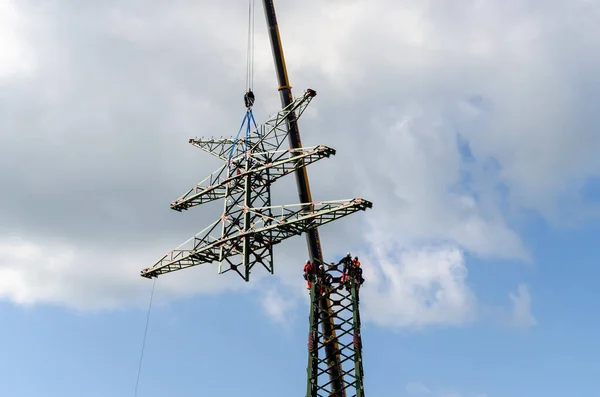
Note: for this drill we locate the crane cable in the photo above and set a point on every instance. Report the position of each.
(137, 382)
(250, 48)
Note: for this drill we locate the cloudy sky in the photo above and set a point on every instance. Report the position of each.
(470, 125)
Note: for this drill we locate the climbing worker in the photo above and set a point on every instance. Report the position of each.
(249, 99)
(326, 278)
(308, 273)
(323, 279)
(320, 277)
(347, 262)
(356, 272)
(358, 276)
(319, 273)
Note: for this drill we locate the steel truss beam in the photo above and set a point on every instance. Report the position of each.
(268, 136)
(278, 163)
(345, 339)
(265, 231)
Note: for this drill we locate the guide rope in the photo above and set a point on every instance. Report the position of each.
(137, 382)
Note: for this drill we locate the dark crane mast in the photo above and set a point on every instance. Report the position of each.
(304, 194)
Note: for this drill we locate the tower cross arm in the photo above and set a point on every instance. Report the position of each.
(266, 168)
(271, 225)
(273, 133)
(268, 136)
(211, 188)
(217, 147)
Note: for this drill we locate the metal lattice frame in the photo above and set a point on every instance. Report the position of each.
(277, 164)
(248, 227)
(269, 136)
(344, 315)
(292, 220)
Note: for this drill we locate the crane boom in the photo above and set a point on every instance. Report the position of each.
(312, 235)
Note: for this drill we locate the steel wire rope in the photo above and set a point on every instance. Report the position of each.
(249, 76)
(250, 48)
(137, 382)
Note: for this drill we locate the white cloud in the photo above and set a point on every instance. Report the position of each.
(277, 306)
(419, 191)
(397, 89)
(16, 56)
(417, 287)
(521, 308)
(81, 279)
(519, 58)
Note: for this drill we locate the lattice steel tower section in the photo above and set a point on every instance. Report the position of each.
(250, 227)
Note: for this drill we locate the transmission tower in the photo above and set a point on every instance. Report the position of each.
(245, 233)
(249, 227)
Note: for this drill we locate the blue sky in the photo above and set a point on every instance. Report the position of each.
(222, 345)
(472, 128)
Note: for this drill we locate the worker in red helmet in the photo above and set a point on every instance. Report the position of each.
(308, 273)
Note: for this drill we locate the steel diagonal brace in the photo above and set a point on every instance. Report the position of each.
(277, 163)
(268, 136)
(294, 220)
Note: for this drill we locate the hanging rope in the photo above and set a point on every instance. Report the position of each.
(249, 95)
(137, 382)
(237, 137)
(250, 48)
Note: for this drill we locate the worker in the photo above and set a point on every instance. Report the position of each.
(308, 273)
(358, 275)
(323, 279)
(347, 262)
(249, 99)
(320, 277)
(356, 272)
(326, 278)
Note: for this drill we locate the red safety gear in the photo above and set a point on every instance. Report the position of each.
(307, 271)
(307, 267)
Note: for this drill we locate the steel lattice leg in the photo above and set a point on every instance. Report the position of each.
(342, 303)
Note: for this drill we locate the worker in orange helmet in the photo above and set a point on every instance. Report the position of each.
(307, 273)
(357, 271)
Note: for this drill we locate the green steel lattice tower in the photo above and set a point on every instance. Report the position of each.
(342, 311)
